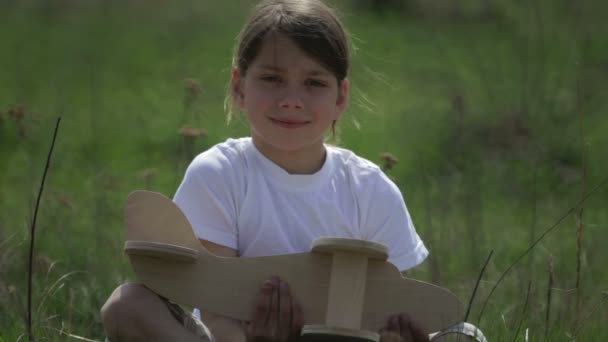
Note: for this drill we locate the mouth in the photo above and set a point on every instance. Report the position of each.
(289, 123)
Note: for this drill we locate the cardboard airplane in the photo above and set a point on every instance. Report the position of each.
(346, 287)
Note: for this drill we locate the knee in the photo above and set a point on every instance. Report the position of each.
(124, 309)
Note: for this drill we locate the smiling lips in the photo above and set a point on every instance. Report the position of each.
(289, 123)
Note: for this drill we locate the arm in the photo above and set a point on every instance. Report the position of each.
(218, 250)
(206, 197)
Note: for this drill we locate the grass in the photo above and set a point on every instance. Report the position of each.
(483, 112)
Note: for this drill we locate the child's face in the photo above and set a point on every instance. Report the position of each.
(290, 98)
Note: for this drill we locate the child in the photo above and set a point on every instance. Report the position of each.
(278, 190)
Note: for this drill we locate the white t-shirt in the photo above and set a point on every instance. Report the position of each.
(236, 197)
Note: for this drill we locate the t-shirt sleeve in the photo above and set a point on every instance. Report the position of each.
(386, 220)
(207, 199)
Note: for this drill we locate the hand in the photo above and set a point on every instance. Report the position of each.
(401, 328)
(277, 317)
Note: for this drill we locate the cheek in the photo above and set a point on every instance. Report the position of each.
(325, 105)
(257, 99)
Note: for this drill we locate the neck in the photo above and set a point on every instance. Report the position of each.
(302, 162)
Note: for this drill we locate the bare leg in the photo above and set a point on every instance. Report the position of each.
(134, 313)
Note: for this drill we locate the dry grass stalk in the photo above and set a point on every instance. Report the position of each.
(189, 135)
(65, 201)
(42, 264)
(591, 313)
(605, 297)
(435, 270)
(388, 161)
(147, 175)
(549, 294)
(579, 247)
(537, 241)
(193, 87)
(523, 312)
(483, 269)
(192, 92)
(30, 272)
(579, 230)
(192, 133)
(70, 309)
(17, 113)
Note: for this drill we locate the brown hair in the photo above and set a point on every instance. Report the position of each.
(312, 25)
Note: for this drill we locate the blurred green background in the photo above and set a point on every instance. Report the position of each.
(495, 110)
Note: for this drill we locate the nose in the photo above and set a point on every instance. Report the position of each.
(291, 99)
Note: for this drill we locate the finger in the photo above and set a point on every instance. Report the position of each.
(272, 325)
(393, 324)
(261, 311)
(404, 321)
(404, 327)
(410, 329)
(284, 312)
(298, 318)
(418, 334)
(262, 305)
(406, 336)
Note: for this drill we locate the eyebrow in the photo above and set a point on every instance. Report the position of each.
(313, 72)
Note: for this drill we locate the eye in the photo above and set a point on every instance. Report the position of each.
(315, 83)
(271, 79)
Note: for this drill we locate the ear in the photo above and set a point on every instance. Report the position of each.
(236, 88)
(342, 100)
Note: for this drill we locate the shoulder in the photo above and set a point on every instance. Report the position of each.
(347, 161)
(221, 158)
(216, 174)
(365, 175)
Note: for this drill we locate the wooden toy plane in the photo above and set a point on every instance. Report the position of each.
(346, 287)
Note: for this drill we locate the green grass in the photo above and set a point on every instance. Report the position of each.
(483, 113)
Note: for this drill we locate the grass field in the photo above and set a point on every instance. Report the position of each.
(496, 114)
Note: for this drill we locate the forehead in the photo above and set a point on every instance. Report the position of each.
(280, 53)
